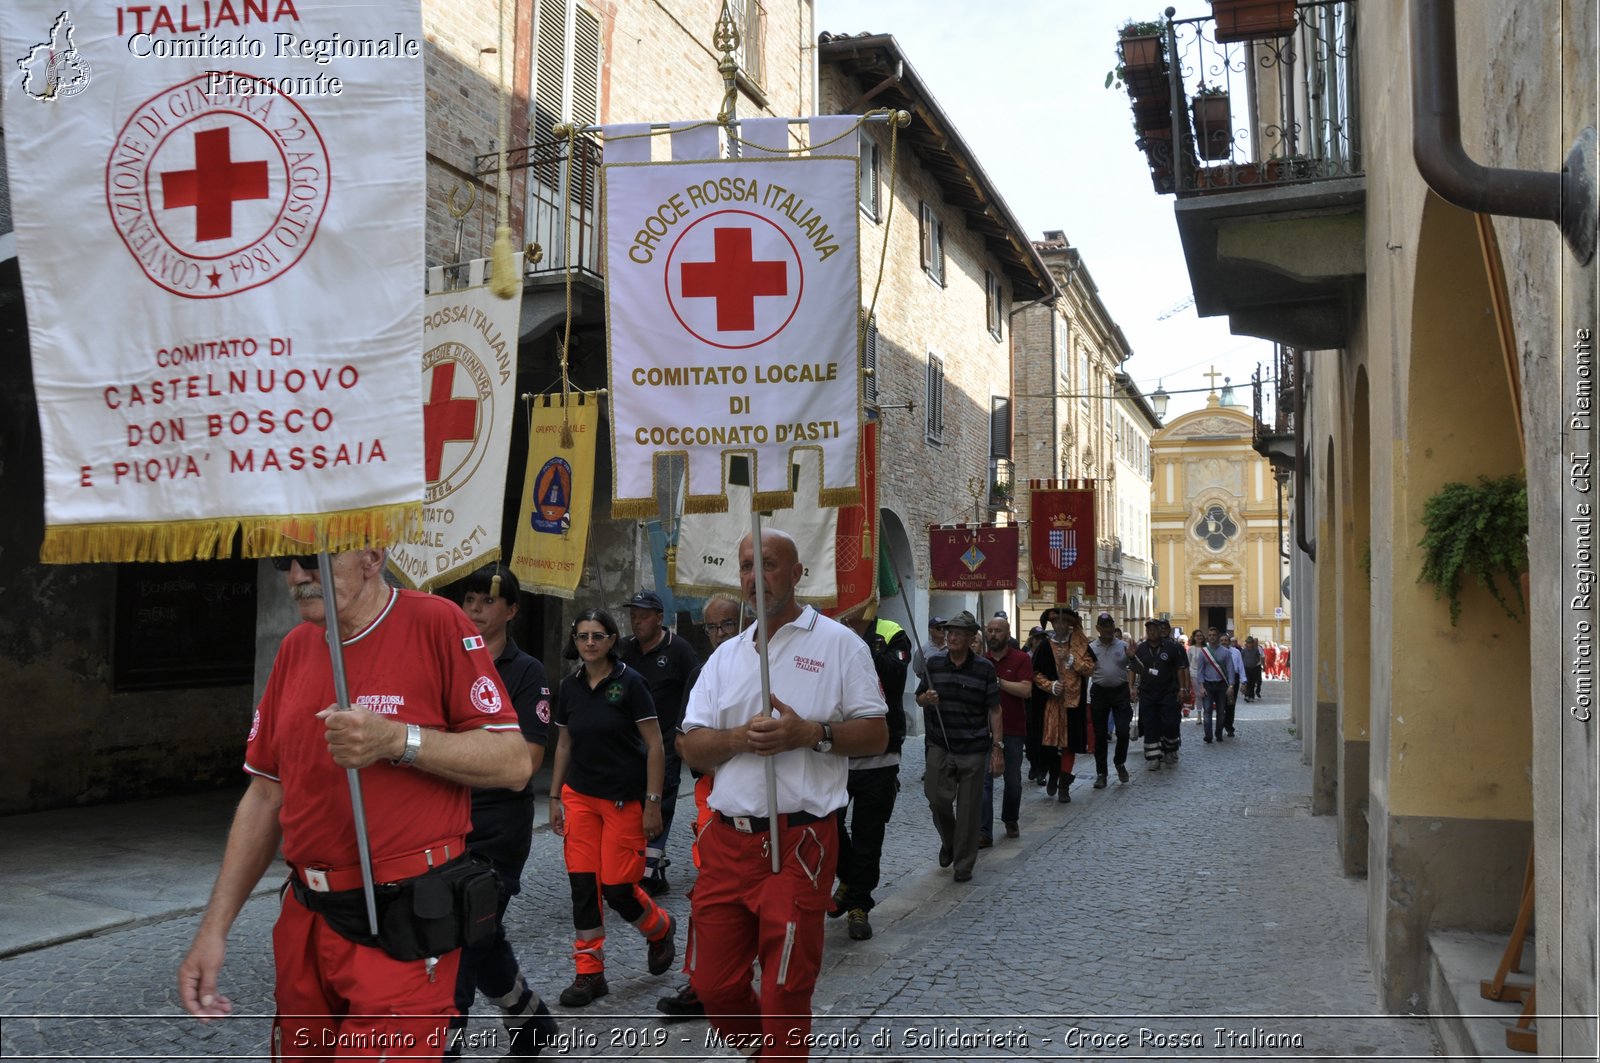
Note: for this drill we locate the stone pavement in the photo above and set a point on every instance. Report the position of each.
(1195, 912)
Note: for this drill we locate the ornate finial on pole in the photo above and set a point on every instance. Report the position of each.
(725, 37)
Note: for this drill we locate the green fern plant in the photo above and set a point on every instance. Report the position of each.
(1479, 531)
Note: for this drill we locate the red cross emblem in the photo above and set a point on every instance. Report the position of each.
(734, 279)
(214, 185)
(445, 419)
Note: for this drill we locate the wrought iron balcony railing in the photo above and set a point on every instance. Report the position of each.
(1216, 112)
(1002, 482)
(562, 204)
(1273, 400)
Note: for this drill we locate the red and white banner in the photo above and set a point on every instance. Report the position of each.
(219, 222)
(973, 557)
(856, 539)
(733, 295)
(1061, 539)
(469, 389)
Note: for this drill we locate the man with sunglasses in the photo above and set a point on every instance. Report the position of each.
(429, 721)
(668, 664)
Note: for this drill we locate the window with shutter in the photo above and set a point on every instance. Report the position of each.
(932, 239)
(869, 360)
(566, 67)
(999, 427)
(751, 53)
(934, 419)
(868, 176)
(991, 296)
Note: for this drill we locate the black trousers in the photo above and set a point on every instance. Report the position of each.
(1110, 702)
(488, 964)
(1252, 682)
(872, 794)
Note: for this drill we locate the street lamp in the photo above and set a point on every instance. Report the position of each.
(1158, 401)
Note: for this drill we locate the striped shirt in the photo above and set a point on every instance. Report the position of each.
(960, 721)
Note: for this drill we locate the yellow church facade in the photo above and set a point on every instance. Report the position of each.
(1217, 527)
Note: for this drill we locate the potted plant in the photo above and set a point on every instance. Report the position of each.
(1253, 20)
(1479, 531)
(1213, 122)
(1141, 54)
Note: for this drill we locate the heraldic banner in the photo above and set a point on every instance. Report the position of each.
(1061, 542)
(732, 291)
(219, 223)
(707, 557)
(469, 397)
(557, 495)
(973, 557)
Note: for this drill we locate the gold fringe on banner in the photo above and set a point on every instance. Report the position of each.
(706, 504)
(835, 497)
(635, 508)
(204, 540)
(767, 501)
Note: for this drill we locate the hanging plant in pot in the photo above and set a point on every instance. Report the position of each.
(1142, 47)
(1213, 122)
(1253, 20)
(1477, 531)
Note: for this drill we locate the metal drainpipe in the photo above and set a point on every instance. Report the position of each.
(1566, 198)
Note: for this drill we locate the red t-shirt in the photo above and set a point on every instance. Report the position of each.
(421, 661)
(1016, 667)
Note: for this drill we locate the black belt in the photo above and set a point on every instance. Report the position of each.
(760, 824)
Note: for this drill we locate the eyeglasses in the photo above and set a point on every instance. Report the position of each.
(308, 562)
(726, 625)
(590, 636)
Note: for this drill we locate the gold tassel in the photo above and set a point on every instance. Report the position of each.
(503, 279)
(494, 586)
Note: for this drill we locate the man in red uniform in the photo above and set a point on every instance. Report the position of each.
(429, 720)
(825, 708)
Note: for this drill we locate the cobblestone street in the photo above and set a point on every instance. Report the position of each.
(1192, 912)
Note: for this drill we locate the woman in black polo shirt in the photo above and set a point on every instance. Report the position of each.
(606, 800)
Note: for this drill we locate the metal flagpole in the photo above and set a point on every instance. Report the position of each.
(762, 635)
(341, 694)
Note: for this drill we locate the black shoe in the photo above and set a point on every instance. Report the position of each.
(655, 881)
(662, 951)
(1039, 780)
(963, 876)
(1051, 787)
(946, 857)
(860, 929)
(1220, 737)
(836, 908)
(682, 1005)
(1064, 797)
(1122, 773)
(1208, 740)
(985, 843)
(1230, 732)
(1100, 782)
(584, 990)
(1012, 831)
(532, 1034)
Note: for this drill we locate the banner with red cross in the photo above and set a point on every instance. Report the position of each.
(469, 396)
(732, 290)
(219, 224)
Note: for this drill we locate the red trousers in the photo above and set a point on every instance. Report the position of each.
(740, 911)
(340, 1000)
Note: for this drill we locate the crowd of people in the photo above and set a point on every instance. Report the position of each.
(450, 808)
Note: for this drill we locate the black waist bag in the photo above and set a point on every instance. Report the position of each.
(453, 905)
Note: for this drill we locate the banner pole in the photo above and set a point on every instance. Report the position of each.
(341, 695)
(762, 635)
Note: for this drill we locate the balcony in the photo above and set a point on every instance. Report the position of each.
(1259, 141)
(561, 225)
(1274, 404)
(1002, 483)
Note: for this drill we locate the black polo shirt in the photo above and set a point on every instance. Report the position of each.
(1161, 662)
(960, 722)
(669, 669)
(607, 757)
(502, 820)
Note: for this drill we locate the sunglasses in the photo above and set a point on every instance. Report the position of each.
(590, 636)
(308, 562)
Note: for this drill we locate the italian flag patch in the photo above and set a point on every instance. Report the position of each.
(473, 643)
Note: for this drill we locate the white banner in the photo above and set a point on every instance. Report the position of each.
(469, 398)
(220, 256)
(732, 303)
(708, 543)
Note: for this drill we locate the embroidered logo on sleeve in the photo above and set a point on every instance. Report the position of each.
(474, 642)
(542, 710)
(485, 695)
(255, 725)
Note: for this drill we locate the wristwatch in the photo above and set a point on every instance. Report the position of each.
(413, 746)
(653, 798)
(826, 745)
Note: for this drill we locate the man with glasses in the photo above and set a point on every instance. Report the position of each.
(429, 721)
(668, 665)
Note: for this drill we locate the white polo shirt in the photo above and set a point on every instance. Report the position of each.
(822, 670)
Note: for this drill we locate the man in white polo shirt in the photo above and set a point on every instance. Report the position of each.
(826, 707)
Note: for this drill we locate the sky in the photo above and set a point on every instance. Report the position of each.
(1024, 85)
